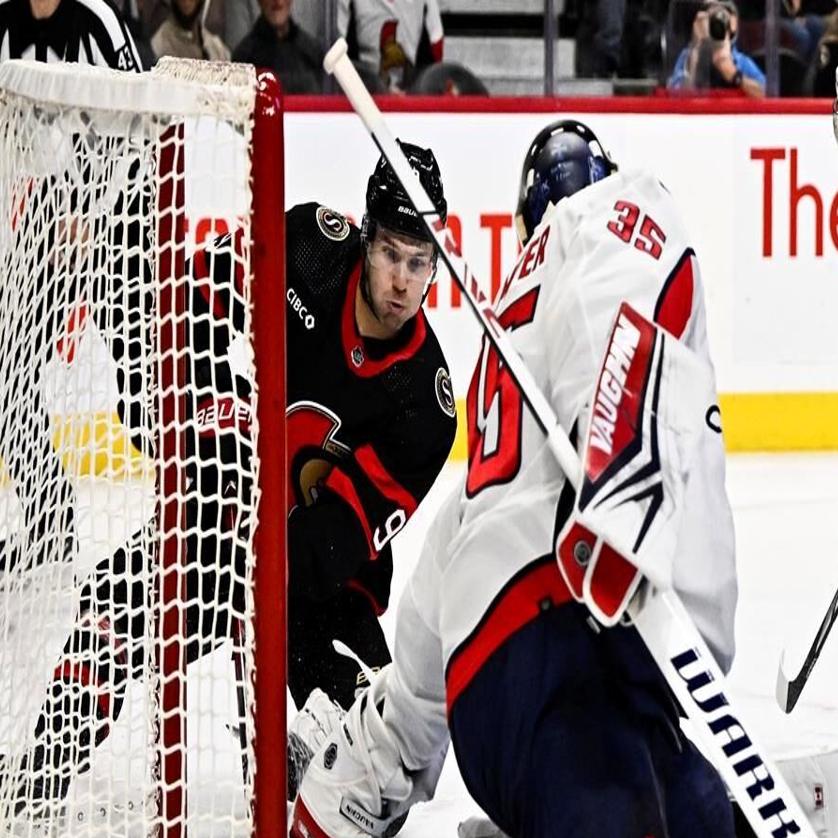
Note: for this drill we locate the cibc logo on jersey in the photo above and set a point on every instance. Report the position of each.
(300, 308)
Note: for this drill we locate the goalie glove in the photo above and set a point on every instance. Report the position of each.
(647, 413)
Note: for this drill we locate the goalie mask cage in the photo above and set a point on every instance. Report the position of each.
(142, 402)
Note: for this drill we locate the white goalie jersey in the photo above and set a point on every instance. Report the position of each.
(619, 239)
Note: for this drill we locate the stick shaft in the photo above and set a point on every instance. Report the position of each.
(366, 108)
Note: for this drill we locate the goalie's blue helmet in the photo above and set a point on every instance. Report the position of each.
(564, 157)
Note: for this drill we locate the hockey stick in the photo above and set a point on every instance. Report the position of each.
(661, 619)
(237, 636)
(788, 691)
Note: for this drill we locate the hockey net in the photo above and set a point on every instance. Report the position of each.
(137, 660)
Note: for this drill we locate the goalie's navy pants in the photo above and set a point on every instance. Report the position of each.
(571, 733)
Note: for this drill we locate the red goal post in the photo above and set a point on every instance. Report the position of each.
(161, 441)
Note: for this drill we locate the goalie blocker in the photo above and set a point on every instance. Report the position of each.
(645, 421)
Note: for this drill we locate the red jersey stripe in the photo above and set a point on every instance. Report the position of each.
(353, 344)
(519, 603)
(675, 303)
(338, 482)
(383, 480)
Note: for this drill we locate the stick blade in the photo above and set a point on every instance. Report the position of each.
(786, 692)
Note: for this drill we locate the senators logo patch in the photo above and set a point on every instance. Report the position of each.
(332, 224)
(445, 392)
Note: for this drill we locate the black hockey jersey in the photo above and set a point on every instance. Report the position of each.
(370, 422)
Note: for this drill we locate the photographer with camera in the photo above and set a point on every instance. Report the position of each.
(712, 60)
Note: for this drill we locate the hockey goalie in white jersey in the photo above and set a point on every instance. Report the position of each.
(561, 727)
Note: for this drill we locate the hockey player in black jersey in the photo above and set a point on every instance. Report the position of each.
(371, 420)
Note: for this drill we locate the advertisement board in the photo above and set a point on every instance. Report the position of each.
(757, 184)
(759, 195)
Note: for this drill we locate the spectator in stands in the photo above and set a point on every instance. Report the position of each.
(608, 37)
(214, 15)
(712, 60)
(447, 78)
(394, 38)
(184, 35)
(806, 23)
(825, 63)
(240, 17)
(277, 43)
(802, 24)
(153, 13)
(66, 30)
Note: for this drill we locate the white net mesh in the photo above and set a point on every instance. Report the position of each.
(126, 431)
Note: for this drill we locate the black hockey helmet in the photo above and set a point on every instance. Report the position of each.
(565, 157)
(387, 202)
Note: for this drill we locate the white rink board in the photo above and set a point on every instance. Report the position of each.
(770, 317)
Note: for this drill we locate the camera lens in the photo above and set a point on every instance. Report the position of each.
(719, 21)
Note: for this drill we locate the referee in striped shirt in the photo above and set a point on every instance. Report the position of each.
(60, 31)
(83, 31)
